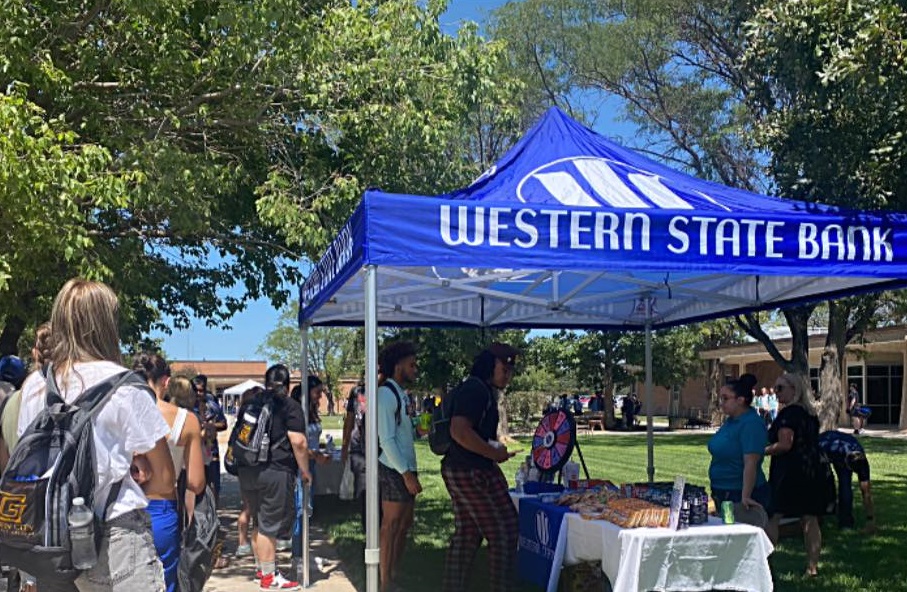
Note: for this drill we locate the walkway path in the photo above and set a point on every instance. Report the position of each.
(239, 576)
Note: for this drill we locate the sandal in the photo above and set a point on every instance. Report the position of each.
(222, 562)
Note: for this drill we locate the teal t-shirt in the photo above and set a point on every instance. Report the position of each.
(738, 436)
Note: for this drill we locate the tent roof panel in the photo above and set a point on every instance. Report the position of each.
(571, 230)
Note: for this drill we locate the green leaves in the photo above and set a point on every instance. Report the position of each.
(834, 83)
(182, 148)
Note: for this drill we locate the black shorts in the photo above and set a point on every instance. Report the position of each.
(269, 495)
(391, 486)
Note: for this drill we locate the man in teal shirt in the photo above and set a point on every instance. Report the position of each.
(398, 480)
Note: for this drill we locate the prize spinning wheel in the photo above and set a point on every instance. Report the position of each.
(553, 441)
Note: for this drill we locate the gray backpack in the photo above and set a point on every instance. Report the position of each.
(53, 464)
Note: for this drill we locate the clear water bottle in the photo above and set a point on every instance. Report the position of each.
(81, 535)
(264, 450)
(519, 479)
(533, 475)
(684, 521)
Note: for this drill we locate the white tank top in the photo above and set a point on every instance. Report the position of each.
(176, 451)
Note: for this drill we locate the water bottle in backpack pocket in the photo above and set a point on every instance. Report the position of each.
(81, 535)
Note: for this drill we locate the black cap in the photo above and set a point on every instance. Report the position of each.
(506, 353)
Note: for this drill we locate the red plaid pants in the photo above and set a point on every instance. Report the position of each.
(482, 510)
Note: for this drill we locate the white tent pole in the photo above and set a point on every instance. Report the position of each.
(372, 550)
(650, 439)
(307, 489)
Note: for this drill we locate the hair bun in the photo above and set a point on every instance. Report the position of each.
(748, 381)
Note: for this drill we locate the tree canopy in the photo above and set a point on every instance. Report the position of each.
(177, 149)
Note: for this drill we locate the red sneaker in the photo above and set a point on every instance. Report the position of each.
(276, 581)
(258, 574)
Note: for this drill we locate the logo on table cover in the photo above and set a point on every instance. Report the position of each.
(542, 528)
(594, 182)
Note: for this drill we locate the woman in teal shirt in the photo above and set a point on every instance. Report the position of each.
(738, 447)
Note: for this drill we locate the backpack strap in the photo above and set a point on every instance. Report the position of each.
(397, 414)
(490, 400)
(91, 401)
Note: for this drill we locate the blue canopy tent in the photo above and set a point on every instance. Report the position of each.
(570, 230)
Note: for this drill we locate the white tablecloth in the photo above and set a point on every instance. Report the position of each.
(727, 557)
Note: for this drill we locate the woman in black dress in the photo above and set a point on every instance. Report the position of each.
(796, 473)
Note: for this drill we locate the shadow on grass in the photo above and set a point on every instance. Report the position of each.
(423, 560)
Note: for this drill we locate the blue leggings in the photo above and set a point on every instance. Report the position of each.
(165, 526)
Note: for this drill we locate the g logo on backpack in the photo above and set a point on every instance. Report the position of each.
(12, 507)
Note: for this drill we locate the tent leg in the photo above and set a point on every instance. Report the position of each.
(372, 549)
(303, 510)
(650, 439)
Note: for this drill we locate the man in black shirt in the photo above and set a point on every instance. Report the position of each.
(268, 490)
(477, 487)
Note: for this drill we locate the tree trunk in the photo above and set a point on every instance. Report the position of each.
(832, 391)
(798, 321)
(503, 425)
(713, 384)
(608, 396)
(9, 338)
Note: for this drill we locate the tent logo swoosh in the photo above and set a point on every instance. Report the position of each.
(595, 182)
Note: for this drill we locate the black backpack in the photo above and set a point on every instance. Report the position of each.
(199, 541)
(250, 441)
(357, 435)
(439, 438)
(53, 464)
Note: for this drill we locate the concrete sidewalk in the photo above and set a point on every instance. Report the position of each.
(239, 575)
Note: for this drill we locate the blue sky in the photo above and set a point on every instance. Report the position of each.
(249, 328)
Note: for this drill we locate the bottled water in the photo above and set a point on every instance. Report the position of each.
(519, 479)
(81, 535)
(533, 474)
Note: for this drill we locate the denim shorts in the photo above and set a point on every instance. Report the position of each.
(127, 560)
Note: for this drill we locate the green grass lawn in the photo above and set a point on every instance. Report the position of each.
(331, 422)
(850, 561)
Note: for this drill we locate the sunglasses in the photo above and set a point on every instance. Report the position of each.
(779, 388)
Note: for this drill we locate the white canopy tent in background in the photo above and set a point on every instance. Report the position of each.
(238, 389)
(569, 230)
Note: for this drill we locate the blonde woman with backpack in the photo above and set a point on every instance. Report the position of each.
(86, 352)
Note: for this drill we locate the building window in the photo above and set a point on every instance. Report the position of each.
(884, 385)
(814, 380)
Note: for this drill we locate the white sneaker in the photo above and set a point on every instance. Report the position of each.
(276, 581)
(284, 544)
(243, 550)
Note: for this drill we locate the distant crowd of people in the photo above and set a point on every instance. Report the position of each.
(629, 406)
